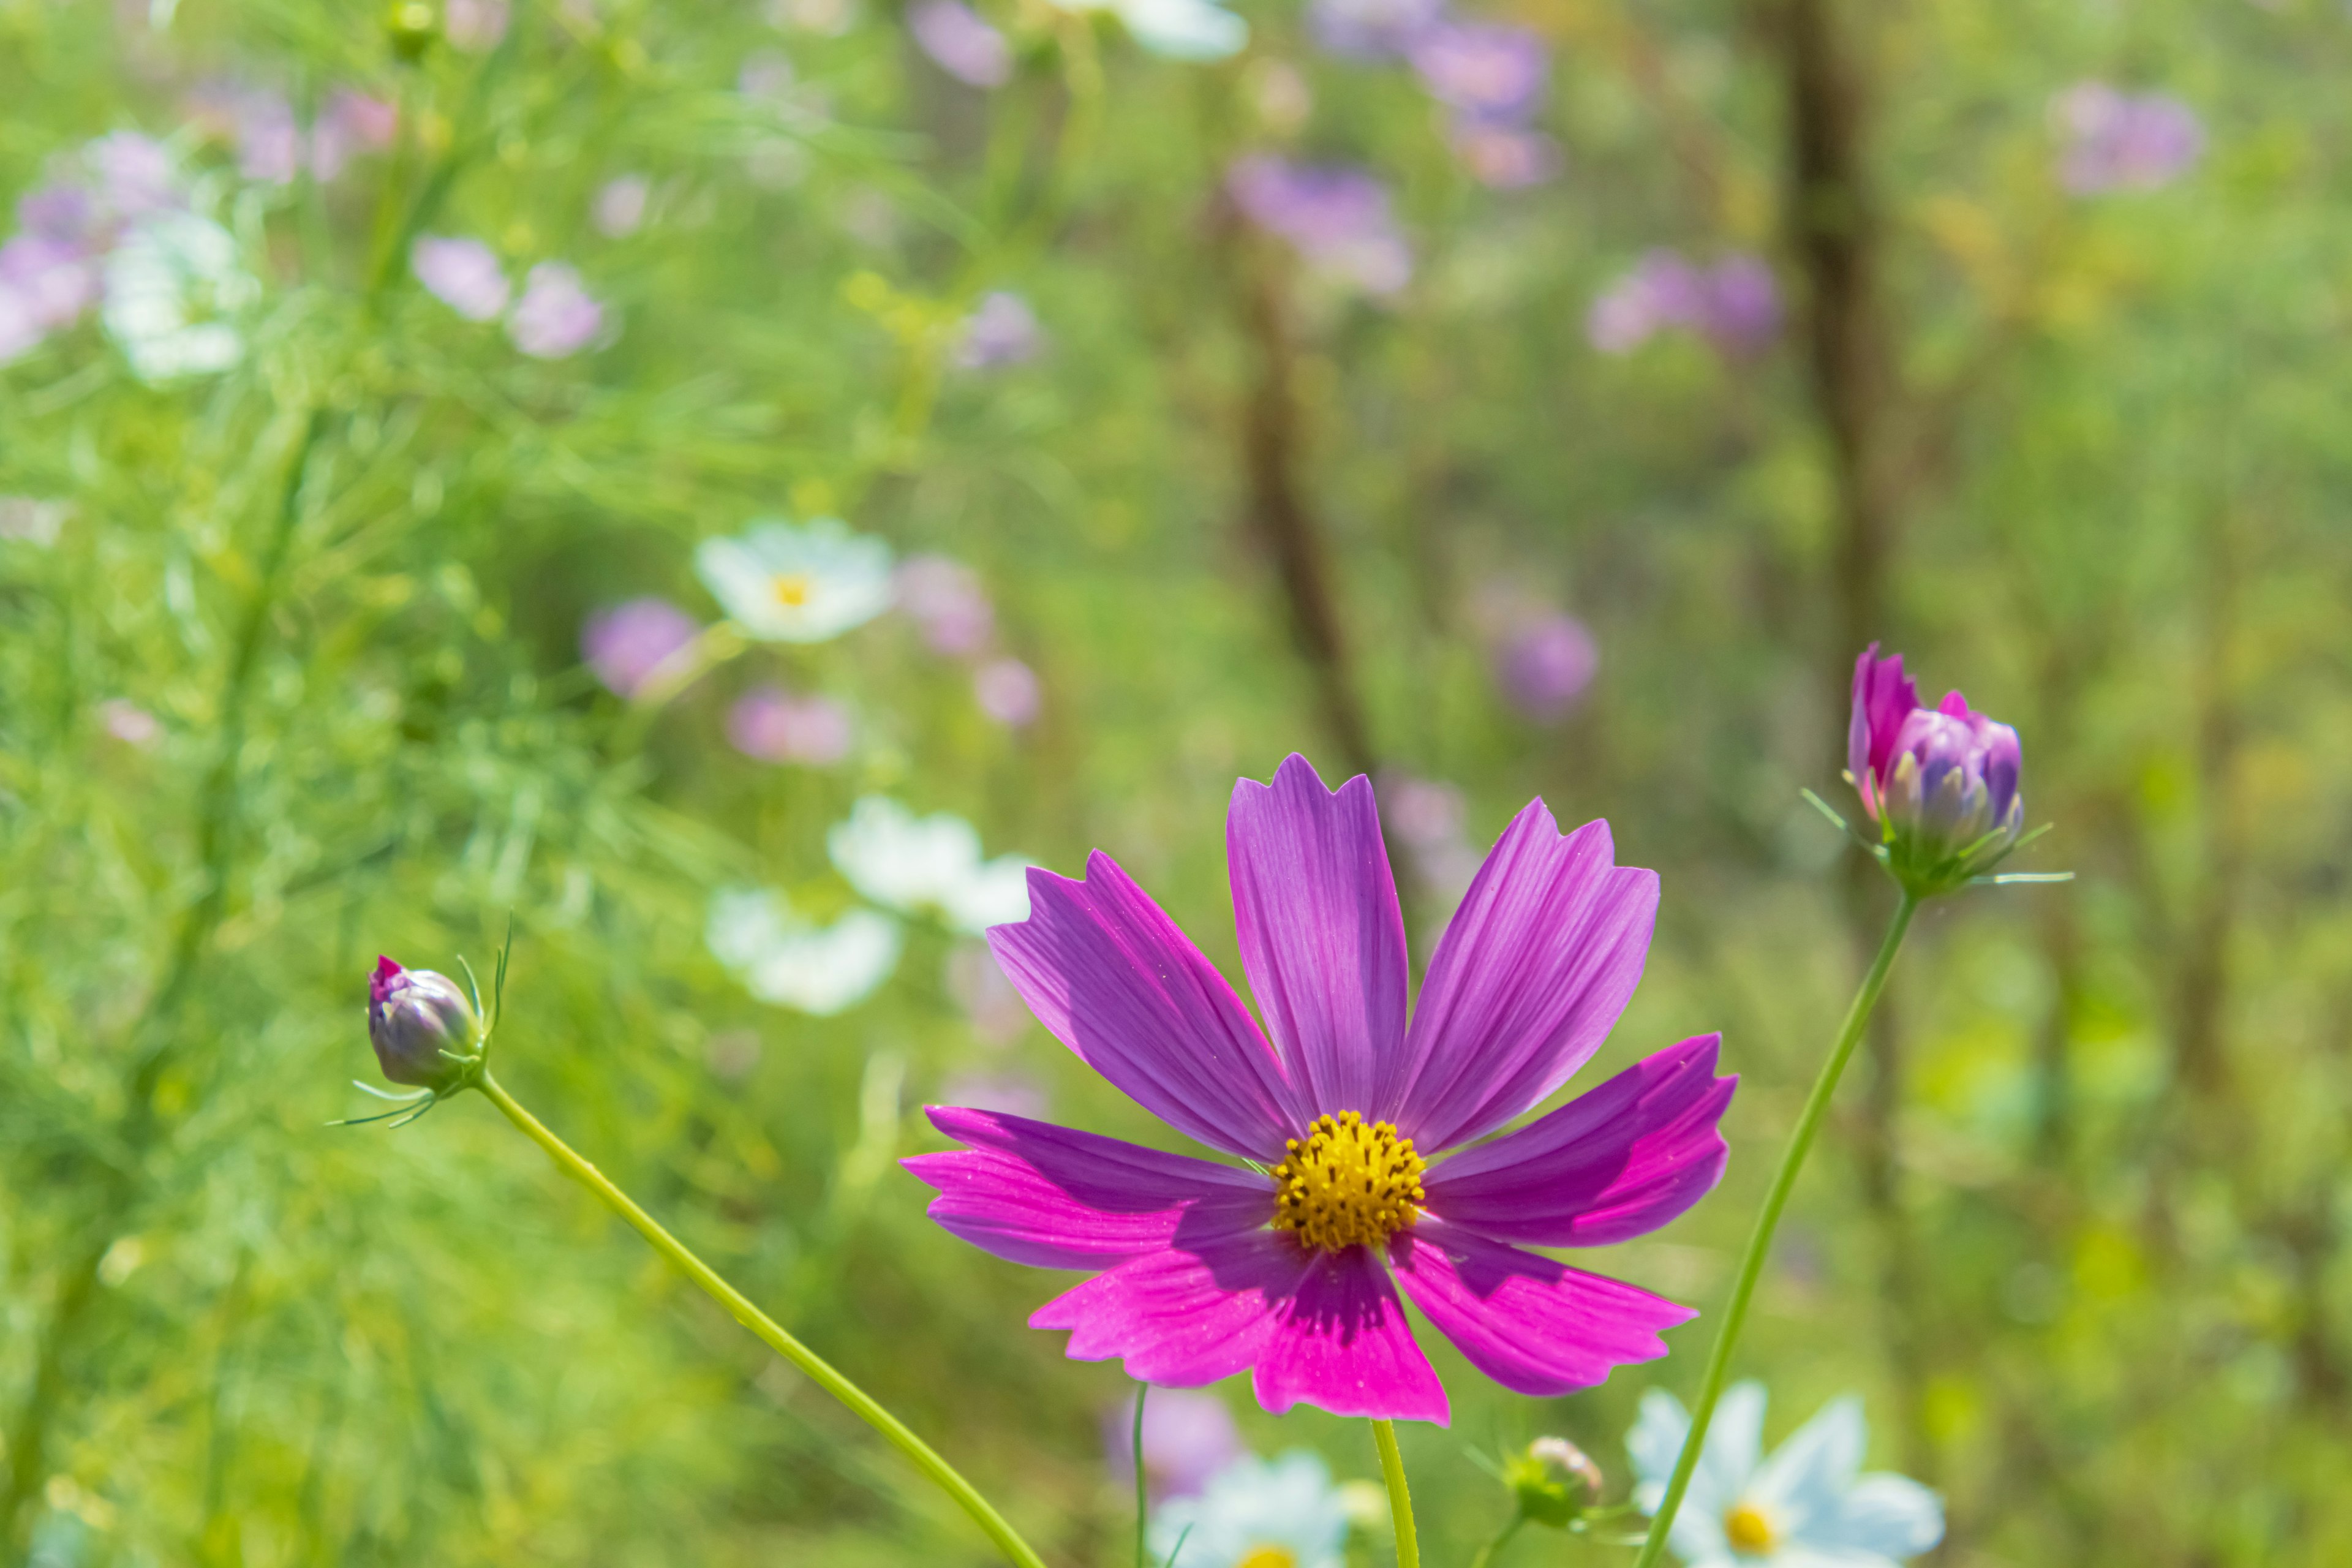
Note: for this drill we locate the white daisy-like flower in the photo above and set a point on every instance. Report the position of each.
(173, 287)
(808, 584)
(1175, 29)
(1808, 1506)
(785, 958)
(908, 863)
(1258, 1514)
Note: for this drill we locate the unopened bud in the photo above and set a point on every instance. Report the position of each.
(1941, 782)
(423, 1026)
(1553, 1482)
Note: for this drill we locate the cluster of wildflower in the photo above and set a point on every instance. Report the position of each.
(556, 317)
(1733, 305)
(944, 598)
(1337, 217)
(2120, 141)
(272, 146)
(1488, 79)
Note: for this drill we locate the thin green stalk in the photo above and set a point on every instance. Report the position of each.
(1142, 1508)
(818, 1370)
(1760, 1242)
(1487, 1553)
(1399, 1495)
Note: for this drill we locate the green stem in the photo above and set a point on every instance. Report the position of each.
(818, 1370)
(1760, 1242)
(1399, 1495)
(1487, 1553)
(1142, 1508)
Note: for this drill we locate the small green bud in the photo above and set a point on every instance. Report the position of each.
(413, 25)
(1553, 1482)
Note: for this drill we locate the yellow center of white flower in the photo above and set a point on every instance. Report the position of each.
(1748, 1528)
(793, 589)
(1351, 1182)
(1269, 1557)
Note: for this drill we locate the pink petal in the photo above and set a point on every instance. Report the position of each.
(1531, 973)
(1320, 934)
(1533, 1325)
(1118, 983)
(1182, 1317)
(1342, 1344)
(1055, 1198)
(1609, 1165)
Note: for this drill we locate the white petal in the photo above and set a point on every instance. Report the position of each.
(1885, 1517)
(1184, 30)
(1809, 1474)
(1734, 1439)
(1656, 1439)
(828, 971)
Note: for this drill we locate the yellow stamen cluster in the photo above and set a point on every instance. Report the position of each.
(793, 588)
(1747, 1529)
(1351, 1182)
(1269, 1557)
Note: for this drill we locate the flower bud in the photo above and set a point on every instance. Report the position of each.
(1941, 783)
(1553, 1482)
(424, 1029)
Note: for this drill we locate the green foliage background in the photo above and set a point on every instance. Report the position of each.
(2078, 1236)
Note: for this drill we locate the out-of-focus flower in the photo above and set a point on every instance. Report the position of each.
(1736, 305)
(1506, 157)
(268, 141)
(1176, 30)
(476, 26)
(556, 317)
(777, 726)
(1008, 1093)
(128, 723)
(1008, 692)
(20, 328)
(463, 274)
(2118, 141)
(423, 1026)
(786, 583)
(1426, 820)
(960, 43)
(1553, 1482)
(1743, 306)
(174, 289)
(1290, 1266)
(1188, 1437)
(1941, 783)
(352, 122)
(53, 280)
(911, 863)
(997, 1014)
(30, 520)
(1371, 29)
(135, 174)
(1002, 330)
(945, 599)
(1808, 1504)
(1255, 1512)
(66, 212)
(785, 959)
(1490, 73)
(1337, 219)
(620, 207)
(627, 642)
(1544, 666)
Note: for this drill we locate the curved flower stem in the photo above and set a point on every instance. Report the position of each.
(819, 1371)
(1399, 1495)
(1760, 1242)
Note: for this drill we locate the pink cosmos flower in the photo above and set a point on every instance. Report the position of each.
(463, 274)
(626, 643)
(1291, 1269)
(556, 317)
(1941, 782)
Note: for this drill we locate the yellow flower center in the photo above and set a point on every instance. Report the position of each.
(793, 589)
(1269, 1557)
(1351, 1182)
(1747, 1529)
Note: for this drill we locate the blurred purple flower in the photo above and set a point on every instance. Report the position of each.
(128, 723)
(1188, 1436)
(134, 174)
(556, 315)
(1425, 819)
(1488, 72)
(58, 212)
(463, 274)
(625, 643)
(268, 142)
(52, 281)
(1504, 157)
(945, 599)
(2118, 141)
(476, 26)
(1337, 217)
(1007, 691)
(1001, 331)
(998, 1015)
(352, 123)
(1371, 29)
(1010, 1094)
(1742, 314)
(775, 726)
(1544, 666)
(1736, 305)
(962, 45)
(20, 334)
(620, 207)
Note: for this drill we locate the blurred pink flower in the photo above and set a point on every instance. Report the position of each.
(1371, 29)
(1007, 691)
(352, 122)
(620, 209)
(1337, 219)
(463, 274)
(1492, 73)
(1188, 1436)
(774, 726)
(1002, 330)
(1544, 666)
(2118, 141)
(476, 26)
(625, 643)
(945, 599)
(128, 723)
(962, 45)
(556, 316)
(1506, 157)
(134, 173)
(1735, 305)
(52, 281)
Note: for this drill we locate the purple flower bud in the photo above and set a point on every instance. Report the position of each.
(963, 46)
(1544, 666)
(1941, 783)
(463, 274)
(625, 644)
(556, 317)
(423, 1026)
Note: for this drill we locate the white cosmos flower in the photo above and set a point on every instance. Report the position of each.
(786, 959)
(174, 287)
(1258, 1514)
(908, 863)
(786, 583)
(1176, 30)
(1808, 1506)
